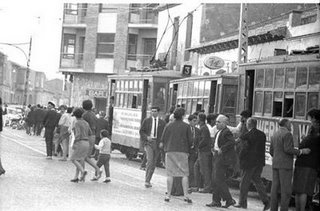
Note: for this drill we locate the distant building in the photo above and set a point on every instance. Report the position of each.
(103, 39)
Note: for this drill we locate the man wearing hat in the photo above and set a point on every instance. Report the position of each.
(50, 122)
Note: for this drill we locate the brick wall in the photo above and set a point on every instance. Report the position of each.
(91, 37)
(121, 40)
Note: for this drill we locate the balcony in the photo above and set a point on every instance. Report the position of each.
(143, 20)
(72, 61)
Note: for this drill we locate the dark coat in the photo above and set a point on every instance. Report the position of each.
(177, 137)
(51, 119)
(226, 143)
(282, 149)
(252, 153)
(205, 139)
(145, 130)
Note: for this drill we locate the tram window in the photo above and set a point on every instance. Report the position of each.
(302, 74)
(139, 101)
(195, 88)
(201, 88)
(194, 105)
(190, 88)
(118, 85)
(259, 78)
(277, 103)
(134, 101)
(117, 100)
(141, 86)
(121, 100)
(135, 85)
(267, 103)
(258, 102)
(122, 85)
(130, 100)
(185, 90)
(206, 104)
(180, 88)
(126, 85)
(279, 78)
(300, 106)
(268, 79)
(288, 105)
(125, 100)
(314, 77)
(188, 106)
(207, 88)
(289, 81)
(183, 104)
(159, 95)
(313, 100)
(130, 85)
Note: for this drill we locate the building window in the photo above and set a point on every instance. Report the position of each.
(108, 8)
(132, 47)
(105, 45)
(71, 9)
(307, 20)
(69, 43)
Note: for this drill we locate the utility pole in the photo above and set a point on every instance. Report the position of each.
(243, 35)
(26, 86)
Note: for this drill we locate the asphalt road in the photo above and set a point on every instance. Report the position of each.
(33, 183)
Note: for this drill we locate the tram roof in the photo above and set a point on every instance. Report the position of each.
(283, 59)
(159, 74)
(198, 77)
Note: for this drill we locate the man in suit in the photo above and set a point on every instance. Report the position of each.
(205, 156)
(193, 154)
(150, 135)
(252, 160)
(224, 156)
(50, 122)
(282, 151)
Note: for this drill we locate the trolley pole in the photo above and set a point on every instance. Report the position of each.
(243, 35)
(26, 86)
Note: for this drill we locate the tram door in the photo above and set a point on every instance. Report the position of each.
(249, 89)
(212, 100)
(144, 99)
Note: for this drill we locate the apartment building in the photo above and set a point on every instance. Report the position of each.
(103, 39)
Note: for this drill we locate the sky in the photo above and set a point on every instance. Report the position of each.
(41, 20)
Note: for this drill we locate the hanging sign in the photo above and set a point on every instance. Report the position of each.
(213, 62)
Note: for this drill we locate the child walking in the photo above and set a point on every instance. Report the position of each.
(104, 148)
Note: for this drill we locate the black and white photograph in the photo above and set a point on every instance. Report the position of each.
(151, 105)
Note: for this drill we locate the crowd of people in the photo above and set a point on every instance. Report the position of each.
(198, 156)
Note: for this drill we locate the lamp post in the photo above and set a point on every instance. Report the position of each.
(26, 87)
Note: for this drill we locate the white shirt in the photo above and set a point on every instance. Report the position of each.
(213, 130)
(153, 127)
(104, 146)
(65, 120)
(216, 147)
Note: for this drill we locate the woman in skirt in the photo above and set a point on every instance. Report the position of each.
(306, 166)
(80, 146)
(177, 141)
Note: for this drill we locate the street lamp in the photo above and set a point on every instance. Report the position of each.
(26, 86)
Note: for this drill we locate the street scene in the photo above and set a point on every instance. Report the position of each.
(160, 106)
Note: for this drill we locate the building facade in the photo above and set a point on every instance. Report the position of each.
(103, 39)
(207, 30)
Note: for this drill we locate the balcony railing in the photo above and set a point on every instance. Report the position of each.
(71, 60)
(74, 19)
(149, 18)
(139, 60)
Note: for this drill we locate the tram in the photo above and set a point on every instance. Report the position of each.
(131, 97)
(277, 87)
(213, 94)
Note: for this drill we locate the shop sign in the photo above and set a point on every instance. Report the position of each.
(96, 93)
(213, 62)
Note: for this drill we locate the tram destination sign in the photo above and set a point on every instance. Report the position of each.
(97, 92)
(213, 62)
